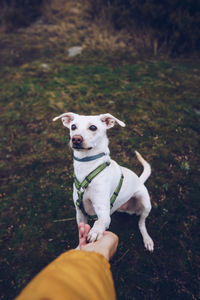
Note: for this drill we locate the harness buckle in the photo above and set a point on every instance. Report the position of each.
(88, 180)
(78, 202)
(80, 193)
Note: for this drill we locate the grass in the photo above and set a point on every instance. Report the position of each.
(157, 99)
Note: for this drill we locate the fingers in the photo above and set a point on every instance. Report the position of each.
(83, 232)
(106, 244)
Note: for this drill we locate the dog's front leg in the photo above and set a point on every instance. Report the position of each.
(80, 217)
(100, 225)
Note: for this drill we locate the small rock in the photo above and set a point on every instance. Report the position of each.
(45, 67)
(197, 111)
(73, 51)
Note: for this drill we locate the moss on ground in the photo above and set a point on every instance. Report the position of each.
(158, 99)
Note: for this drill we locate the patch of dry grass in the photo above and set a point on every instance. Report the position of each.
(74, 19)
(69, 23)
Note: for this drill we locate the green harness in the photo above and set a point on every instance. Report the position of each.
(81, 186)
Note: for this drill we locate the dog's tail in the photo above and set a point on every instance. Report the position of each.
(147, 168)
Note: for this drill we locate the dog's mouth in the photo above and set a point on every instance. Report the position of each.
(79, 147)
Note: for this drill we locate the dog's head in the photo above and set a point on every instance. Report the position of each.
(87, 132)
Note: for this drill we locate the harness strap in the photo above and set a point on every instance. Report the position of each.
(116, 192)
(84, 184)
(90, 176)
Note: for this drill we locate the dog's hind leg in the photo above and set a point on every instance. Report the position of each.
(145, 207)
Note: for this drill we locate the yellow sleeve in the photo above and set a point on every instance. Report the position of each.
(74, 275)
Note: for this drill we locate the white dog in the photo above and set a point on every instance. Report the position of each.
(101, 186)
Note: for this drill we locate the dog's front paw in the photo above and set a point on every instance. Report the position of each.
(149, 244)
(94, 235)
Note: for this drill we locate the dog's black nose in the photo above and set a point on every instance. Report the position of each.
(77, 139)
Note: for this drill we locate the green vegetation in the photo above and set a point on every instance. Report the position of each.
(158, 100)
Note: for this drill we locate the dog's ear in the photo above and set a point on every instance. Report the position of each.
(111, 120)
(66, 118)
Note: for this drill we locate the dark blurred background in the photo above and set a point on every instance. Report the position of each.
(170, 25)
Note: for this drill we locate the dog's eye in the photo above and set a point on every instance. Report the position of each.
(73, 127)
(93, 128)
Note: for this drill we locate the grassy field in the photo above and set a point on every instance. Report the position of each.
(158, 99)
